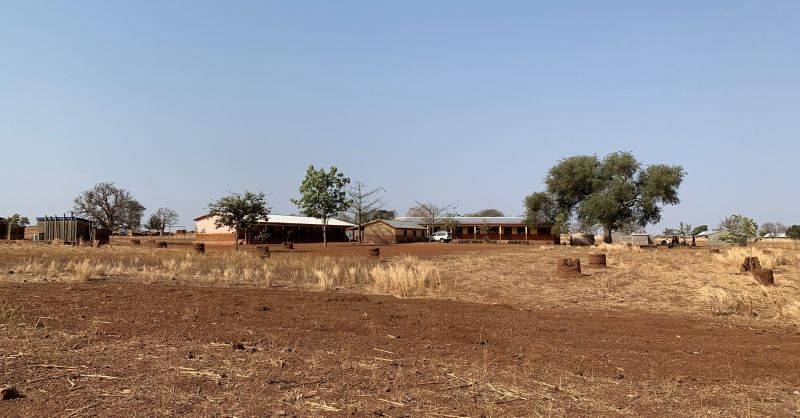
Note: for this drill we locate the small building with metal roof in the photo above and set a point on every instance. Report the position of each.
(382, 231)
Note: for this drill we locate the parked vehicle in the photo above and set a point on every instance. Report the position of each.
(442, 236)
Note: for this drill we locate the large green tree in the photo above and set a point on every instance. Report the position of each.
(612, 192)
(323, 194)
(239, 212)
(793, 232)
(114, 208)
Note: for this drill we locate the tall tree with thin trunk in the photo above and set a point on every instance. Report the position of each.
(323, 194)
(363, 202)
(112, 207)
(239, 212)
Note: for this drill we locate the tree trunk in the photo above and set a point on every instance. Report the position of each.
(607, 235)
(324, 234)
(236, 239)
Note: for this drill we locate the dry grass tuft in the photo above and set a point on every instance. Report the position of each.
(408, 276)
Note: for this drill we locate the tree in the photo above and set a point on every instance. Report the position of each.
(239, 212)
(322, 195)
(772, 228)
(153, 223)
(541, 209)
(793, 232)
(17, 220)
(486, 213)
(611, 192)
(112, 207)
(363, 201)
(697, 231)
(738, 229)
(382, 214)
(582, 228)
(166, 217)
(432, 215)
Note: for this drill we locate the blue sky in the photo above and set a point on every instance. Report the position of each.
(454, 102)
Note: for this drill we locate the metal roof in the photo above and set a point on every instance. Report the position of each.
(473, 220)
(294, 220)
(708, 233)
(394, 223)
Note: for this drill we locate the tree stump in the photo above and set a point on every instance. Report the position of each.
(200, 247)
(263, 251)
(136, 242)
(375, 252)
(598, 260)
(289, 245)
(750, 264)
(8, 393)
(714, 250)
(569, 268)
(764, 276)
(162, 244)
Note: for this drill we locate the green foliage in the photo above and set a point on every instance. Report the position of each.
(382, 214)
(153, 223)
(738, 229)
(239, 212)
(793, 232)
(612, 192)
(699, 230)
(112, 207)
(486, 213)
(17, 220)
(323, 194)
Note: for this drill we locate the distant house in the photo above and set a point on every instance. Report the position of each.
(69, 229)
(393, 232)
(712, 238)
(277, 229)
(492, 228)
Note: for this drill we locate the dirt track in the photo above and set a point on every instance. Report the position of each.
(110, 348)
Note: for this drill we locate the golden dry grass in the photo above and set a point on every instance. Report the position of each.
(678, 280)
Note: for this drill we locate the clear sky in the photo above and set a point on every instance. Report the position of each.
(453, 102)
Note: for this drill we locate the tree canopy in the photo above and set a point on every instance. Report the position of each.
(323, 194)
(772, 229)
(610, 192)
(239, 211)
(486, 213)
(793, 232)
(433, 215)
(17, 220)
(738, 229)
(112, 207)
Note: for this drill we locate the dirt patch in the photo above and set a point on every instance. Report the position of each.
(122, 349)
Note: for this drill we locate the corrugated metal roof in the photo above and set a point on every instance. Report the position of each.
(708, 233)
(473, 220)
(295, 220)
(394, 223)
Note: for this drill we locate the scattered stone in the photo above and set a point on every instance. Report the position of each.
(238, 346)
(263, 308)
(252, 349)
(579, 372)
(9, 392)
(287, 349)
(190, 355)
(11, 272)
(620, 376)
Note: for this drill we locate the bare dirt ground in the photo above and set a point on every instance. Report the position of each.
(537, 346)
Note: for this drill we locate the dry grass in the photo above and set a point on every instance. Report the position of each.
(677, 280)
(404, 277)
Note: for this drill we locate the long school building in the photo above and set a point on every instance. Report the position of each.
(492, 228)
